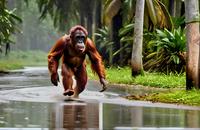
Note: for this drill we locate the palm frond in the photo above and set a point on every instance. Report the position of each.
(112, 8)
(126, 29)
(126, 39)
(152, 11)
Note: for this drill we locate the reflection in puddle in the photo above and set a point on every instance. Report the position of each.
(122, 116)
(93, 115)
(78, 115)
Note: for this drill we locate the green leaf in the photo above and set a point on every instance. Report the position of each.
(118, 51)
(126, 39)
(128, 28)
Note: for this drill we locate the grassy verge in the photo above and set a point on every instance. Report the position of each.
(123, 76)
(173, 82)
(19, 59)
(176, 97)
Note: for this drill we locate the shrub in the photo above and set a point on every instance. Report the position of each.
(166, 53)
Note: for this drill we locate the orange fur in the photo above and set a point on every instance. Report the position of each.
(73, 62)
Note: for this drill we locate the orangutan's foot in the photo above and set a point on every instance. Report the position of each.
(68, 92)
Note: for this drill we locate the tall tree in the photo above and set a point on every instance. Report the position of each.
(192, 34)
(136, 59)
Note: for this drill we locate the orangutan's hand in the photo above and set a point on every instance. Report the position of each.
(55, 79)
(103, 83)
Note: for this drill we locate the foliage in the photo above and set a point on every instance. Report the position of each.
(166, 53)
(156, 15)
(8, 23)
(126, 38)
(104, 44)
(126, 41)
(178, 22)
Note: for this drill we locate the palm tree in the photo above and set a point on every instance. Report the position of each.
(136, 59)
(193, 39)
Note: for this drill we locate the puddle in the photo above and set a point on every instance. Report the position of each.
(85, 115)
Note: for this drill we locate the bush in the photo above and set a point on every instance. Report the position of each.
(166, 53)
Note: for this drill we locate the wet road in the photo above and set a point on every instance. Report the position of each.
(28, 100)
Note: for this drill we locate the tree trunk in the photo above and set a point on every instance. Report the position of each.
(82, 12)
(90, 23)
(98, 19)
(192, 34)
(116, 25)
(136, 60)
(178, 8)
(98, 10)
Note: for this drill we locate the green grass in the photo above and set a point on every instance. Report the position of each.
(123, 76)
(191, 97)
(162, 80)
(19, 59)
